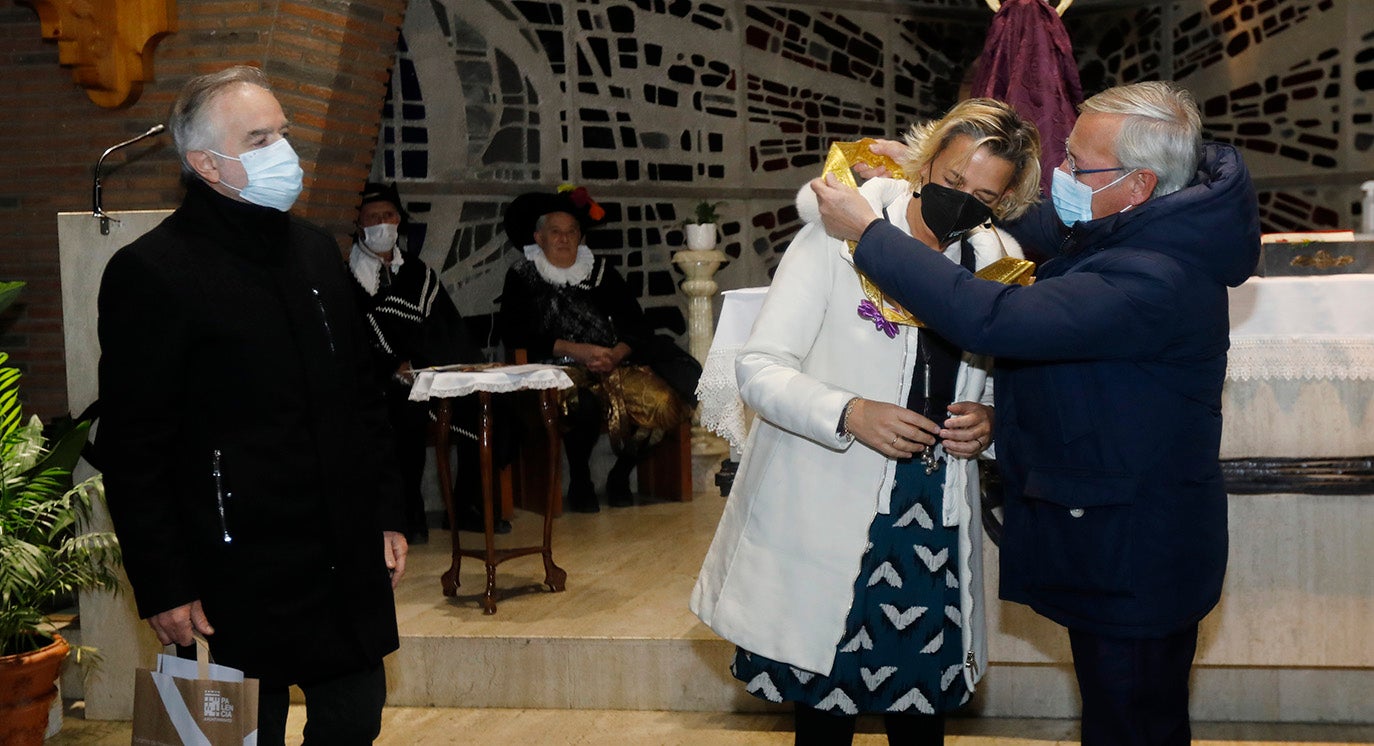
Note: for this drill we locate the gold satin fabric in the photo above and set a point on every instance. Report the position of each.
(841, 161)
(639, 407)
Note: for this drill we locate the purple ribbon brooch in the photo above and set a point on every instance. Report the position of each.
(871, 312)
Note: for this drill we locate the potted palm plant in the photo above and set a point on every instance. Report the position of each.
(44, 558)
(701, 228)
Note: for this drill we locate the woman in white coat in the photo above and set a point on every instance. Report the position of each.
(849, 573)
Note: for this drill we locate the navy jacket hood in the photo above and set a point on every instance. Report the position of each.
(1212, 223)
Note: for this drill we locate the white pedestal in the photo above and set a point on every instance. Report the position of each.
(700, 267)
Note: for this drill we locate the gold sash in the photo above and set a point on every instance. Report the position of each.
(840, 162)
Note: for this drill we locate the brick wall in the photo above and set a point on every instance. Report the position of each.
(329, 61)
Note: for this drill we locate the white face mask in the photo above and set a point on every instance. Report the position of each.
(1073, 200)
(380, 238)
(274, 175)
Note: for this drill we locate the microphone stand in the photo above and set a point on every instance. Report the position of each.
(96, 210)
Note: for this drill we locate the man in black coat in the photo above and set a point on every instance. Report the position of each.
(246, 452)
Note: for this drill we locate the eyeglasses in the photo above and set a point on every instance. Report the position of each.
(1075, 171)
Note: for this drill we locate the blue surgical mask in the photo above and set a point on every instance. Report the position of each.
(1073, 200)
(274, 175)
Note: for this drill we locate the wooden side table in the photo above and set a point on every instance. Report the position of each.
(442, 386)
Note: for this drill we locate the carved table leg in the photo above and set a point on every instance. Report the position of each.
(489, 598)
(554, 576)
(443, 414)
(488, 493)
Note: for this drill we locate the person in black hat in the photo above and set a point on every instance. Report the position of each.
(414, 324)
(563, 304)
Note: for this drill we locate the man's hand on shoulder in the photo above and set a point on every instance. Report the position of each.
(844, 211)
(178, 624)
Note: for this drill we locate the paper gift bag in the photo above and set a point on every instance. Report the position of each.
(194, 703)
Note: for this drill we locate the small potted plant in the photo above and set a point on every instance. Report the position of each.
(701, 229)
(43, 556)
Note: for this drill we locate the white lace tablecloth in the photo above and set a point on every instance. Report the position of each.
(453, 381)
(1303, 328)
(1300, 373)
(721, 410)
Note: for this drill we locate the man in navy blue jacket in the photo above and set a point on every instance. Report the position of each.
(1108, 391)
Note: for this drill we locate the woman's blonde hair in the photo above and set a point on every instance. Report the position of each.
(992, 125)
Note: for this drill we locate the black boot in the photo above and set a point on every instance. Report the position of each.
(583, 428)
(618, 493)
(582, 496)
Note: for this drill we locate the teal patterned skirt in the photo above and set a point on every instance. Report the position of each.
(902, 648)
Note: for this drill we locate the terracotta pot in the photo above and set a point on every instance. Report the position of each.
(28, 682)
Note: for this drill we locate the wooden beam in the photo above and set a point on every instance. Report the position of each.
(108, 43)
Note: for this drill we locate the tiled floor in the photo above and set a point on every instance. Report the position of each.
(421, 726)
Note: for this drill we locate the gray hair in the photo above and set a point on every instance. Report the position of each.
(1162, 131)
(191, 128)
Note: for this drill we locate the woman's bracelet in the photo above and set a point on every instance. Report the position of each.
(843, 429)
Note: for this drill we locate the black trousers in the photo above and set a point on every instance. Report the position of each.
(817, 728)
(1134, 691)
(344, 710)
(582, 429)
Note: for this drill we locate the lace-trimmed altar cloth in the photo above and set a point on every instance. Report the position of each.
(721, 410)
(457, 380)
(1302, 329)
(1288, 334)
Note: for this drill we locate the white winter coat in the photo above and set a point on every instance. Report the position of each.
(778, 579)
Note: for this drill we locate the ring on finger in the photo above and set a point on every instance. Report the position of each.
(895, 438)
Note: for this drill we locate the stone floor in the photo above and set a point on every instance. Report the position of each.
(403, 726)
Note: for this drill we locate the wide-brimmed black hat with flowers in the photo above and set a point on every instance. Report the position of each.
(525, 210)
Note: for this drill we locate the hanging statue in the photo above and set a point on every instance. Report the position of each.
(1027, 61)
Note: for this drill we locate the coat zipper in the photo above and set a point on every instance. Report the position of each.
(324, 318)
(220, 495)
(971, 663)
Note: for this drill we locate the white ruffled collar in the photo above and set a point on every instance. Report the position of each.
(365, 265)
(580, 270)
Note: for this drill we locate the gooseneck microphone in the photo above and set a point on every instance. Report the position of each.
(96, 210)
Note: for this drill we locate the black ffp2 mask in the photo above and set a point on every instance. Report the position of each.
(950, 213)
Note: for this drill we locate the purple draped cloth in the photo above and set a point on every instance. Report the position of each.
(1027, 61)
